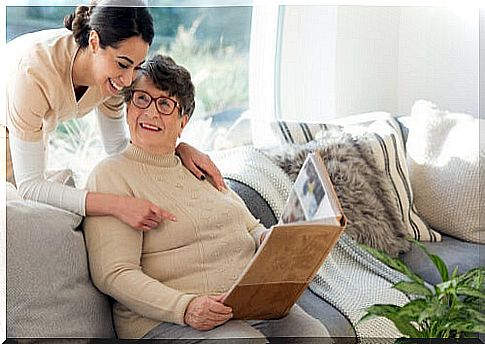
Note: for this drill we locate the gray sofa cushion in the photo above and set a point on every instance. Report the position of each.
(49, 292)
(454, 253)
(336, 323)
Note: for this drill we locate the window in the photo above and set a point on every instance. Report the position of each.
(212, 42)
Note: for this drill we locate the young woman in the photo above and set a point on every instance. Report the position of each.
(56, 75)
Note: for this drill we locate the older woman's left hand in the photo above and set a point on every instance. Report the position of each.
(200, 164)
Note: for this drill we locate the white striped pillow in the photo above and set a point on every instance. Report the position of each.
(390, 155)
(298, 132)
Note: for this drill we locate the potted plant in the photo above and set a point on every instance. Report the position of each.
(450, 309)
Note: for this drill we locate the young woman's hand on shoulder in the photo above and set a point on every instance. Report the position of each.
(200, 164)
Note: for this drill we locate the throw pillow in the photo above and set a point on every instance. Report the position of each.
(49, 291)
(366, 194)
(389, 152)
(303, 132)
(446, 166)
(298, 132)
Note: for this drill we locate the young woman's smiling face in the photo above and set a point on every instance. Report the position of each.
(149, 129)
(115, 68)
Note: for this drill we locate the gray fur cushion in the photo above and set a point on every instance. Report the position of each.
(49, 292)
(365, 193)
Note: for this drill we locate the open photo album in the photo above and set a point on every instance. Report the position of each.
(313, 198)
(294, 250)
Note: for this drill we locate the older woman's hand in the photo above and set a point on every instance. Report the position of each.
(140, 213)
(200, 164)
(206, 312)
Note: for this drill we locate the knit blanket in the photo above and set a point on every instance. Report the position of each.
(350, 279)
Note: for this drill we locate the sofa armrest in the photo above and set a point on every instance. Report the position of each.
(49, 291)
(255, 203)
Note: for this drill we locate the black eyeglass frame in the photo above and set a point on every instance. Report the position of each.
(176, 104)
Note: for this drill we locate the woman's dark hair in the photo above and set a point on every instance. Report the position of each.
(112, 22)
(169, 77)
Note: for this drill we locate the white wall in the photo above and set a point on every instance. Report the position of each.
(385, 58)
(367, 59)
(307, 62)
(439, 58)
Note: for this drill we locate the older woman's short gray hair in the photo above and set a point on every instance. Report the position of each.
(169, 77)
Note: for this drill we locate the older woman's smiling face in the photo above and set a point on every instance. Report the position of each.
(149, 129)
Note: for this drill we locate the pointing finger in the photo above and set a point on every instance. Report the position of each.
(163, 214)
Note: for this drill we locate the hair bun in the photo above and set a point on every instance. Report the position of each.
(78, 23)
(68, 21)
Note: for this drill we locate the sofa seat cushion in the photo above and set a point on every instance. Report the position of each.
(49, 292)
(336, 323)
(454, 252)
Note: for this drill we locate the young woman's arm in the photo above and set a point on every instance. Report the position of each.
(114, 132)
(28, 160)
(200, 164)
(138, 213)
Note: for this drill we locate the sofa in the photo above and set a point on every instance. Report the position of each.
(50, 295)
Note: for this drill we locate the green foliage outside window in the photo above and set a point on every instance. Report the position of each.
(220, 74)
(212, 42)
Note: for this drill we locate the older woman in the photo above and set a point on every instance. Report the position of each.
(177, 274)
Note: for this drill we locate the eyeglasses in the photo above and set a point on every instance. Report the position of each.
(164, 105)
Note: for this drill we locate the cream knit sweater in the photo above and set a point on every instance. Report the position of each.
(154, 275)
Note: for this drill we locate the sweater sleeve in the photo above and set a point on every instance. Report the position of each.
(115, 250)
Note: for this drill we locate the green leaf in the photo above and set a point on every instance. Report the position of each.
(378, 310)
(437, 261)
(403, 325)
(413, 308)
(395, 263)
(366, 317)
(480, 328)
(413, 288)
(391, 312)
(476, 315)
(455, 272)
(419, 310)
(383, 310)
(470, 292)
(465, 326)
(433, 311)
(447, 287)
(473, 278)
